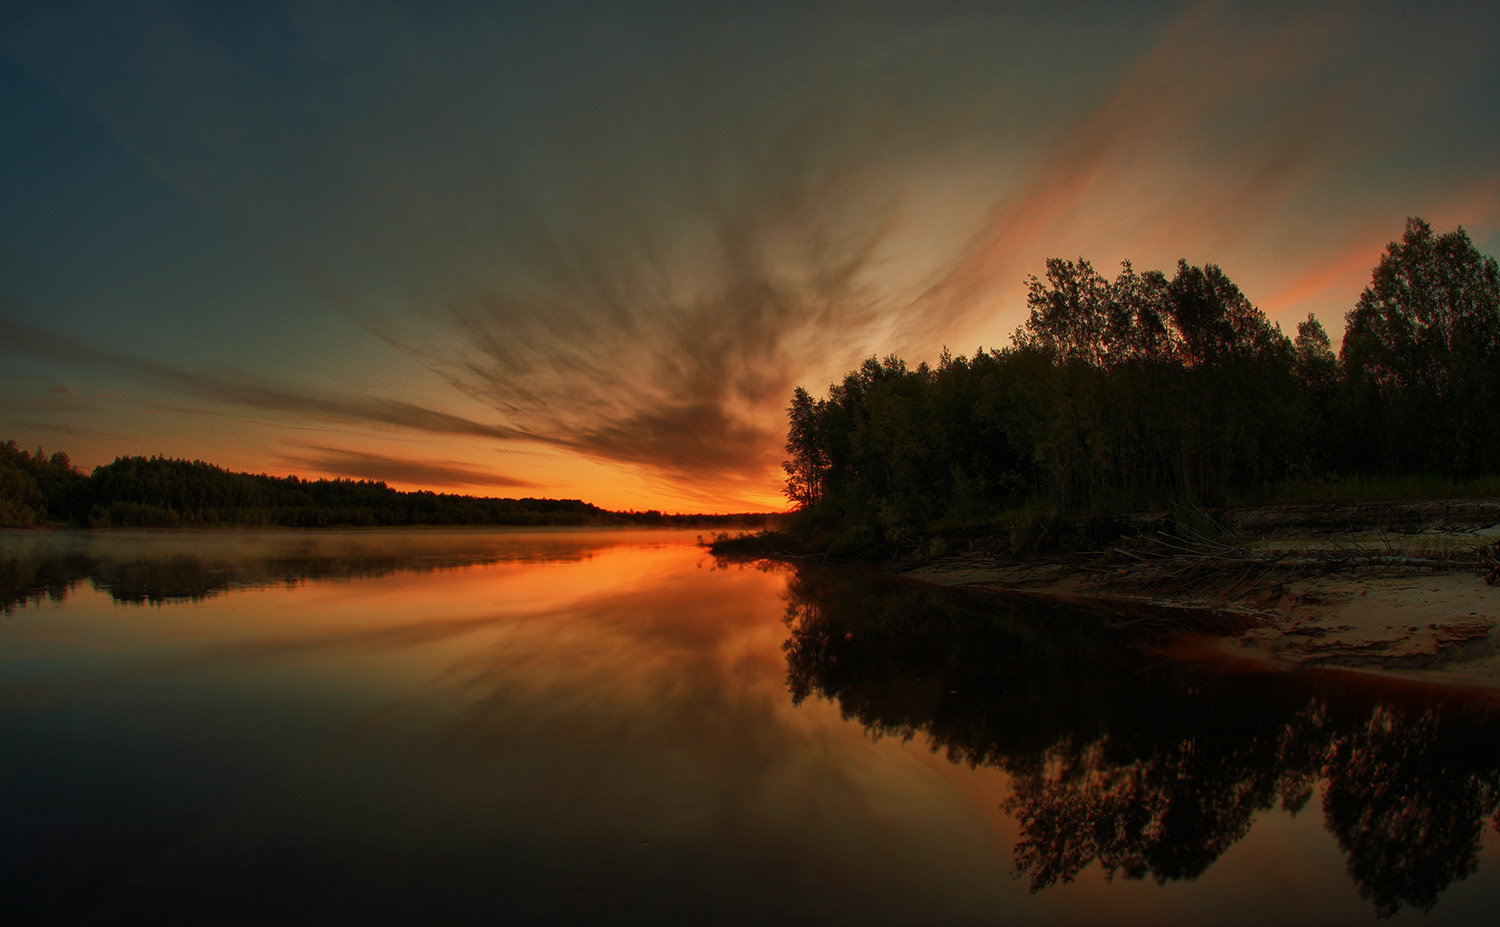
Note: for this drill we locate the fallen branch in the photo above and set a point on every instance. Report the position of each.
(1489, 562)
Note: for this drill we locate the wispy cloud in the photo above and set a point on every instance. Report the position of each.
(245, 390)
(370, 466)
(50, 427)
(629, 264)
(1136, 164)
(1348, 272)
(30, 394)
(631, 233)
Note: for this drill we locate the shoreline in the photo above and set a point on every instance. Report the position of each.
(1426, 623)
(1391, 589)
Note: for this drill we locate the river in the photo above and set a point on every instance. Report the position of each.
(555, 726)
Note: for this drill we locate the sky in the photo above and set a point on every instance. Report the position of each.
(587, 250)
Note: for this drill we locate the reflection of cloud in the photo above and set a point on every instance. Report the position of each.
(27, 696)
(364, 465)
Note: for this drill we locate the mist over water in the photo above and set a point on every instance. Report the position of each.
(465, 725)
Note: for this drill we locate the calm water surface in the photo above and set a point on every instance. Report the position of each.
(609, 726)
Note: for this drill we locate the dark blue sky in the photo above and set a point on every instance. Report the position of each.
(587, 249)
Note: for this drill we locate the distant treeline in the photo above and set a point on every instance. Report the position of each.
(1147, 389)
(161, 492)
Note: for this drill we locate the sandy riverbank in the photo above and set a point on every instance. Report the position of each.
(1414, 606)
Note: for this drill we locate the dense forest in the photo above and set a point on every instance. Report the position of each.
(161, 492)
(1131, 393)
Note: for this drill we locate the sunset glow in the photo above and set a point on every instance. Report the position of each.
(583, 251)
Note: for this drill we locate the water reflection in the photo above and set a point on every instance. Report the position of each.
(583, 724)
(589, 724)
(1146, 766)
(154, 567)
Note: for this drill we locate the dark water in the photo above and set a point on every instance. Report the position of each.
(594, 726)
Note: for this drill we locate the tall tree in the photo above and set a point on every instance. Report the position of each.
(806, 459)
(1070, 312)
(1420, 351)
(1214, 321)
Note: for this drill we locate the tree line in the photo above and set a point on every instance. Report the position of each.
(162, 492)
(1147, 388)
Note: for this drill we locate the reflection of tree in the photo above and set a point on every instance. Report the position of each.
(1170, 815)
(29, 577)
(136, 573)
(1407, 796)
(1148, 769)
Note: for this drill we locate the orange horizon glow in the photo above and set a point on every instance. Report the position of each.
(607, 289)
(610, 487)
(616, 489)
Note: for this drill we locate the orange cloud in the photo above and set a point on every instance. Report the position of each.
(426, 473)
(1347, 272)
(1199, 64)
(1477, 206)
(1339, 279)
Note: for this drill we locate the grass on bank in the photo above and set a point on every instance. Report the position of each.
(1040, 525)
(1404, 488)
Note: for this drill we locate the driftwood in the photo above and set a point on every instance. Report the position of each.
(1489, 561)
(1186, 560)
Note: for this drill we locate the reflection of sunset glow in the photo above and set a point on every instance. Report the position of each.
(612, 708)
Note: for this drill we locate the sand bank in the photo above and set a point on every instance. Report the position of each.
(1421, 610)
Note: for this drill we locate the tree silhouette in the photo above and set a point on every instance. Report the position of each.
(806, 460)
(1422, 352)
(165, 492)
(1144, 390)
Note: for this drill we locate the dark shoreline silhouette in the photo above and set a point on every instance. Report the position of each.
(1146, 391)
(162, 492)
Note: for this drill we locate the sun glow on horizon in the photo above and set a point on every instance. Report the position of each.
(607, 287)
